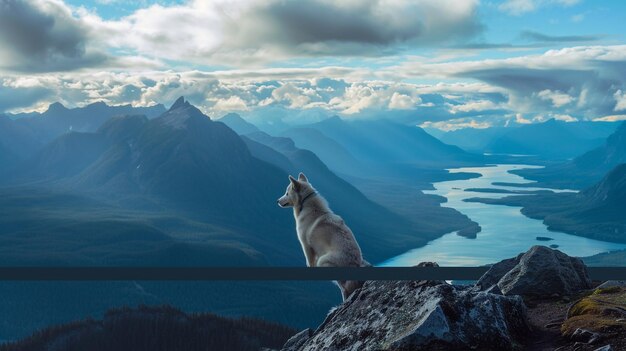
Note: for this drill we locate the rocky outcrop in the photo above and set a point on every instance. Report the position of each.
(491, 315)
(540, 272)
(418, 315)
(612, 283)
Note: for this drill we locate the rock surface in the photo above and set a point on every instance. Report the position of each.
(612, 283)
(540, 272)
(416, 315)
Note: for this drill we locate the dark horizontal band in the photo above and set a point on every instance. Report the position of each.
(265, 273)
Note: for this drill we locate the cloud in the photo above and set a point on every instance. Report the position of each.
(557, 98)
(325, 27)
(481, 105)
(376, 95)
(574, 81)
(400, 101)
(520, 119)
(231, 104)
(249, 32)
(49, 35)
(612, 118)
(40, 36)
(296, 97)
(24, 94)
(620, 99)
(456, 124)
(520, 7)
(564, 118)
(536, 36)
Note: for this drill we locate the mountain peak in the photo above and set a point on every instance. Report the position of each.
(97, 103)
(180, 112)
(238, 124)
(56, 106)
(180, 102)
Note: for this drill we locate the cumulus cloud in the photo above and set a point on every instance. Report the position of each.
(460, 123)
(324, 27)
(253, 31)
(620, 99)
(400, 101)
(534, 84)
(291, 99)
(49, 35)
(231, 104)
(361, 96)
(612, 118)
(564, 118)
(557, 98)
(39, 36)
(24, 94)
(481, 105)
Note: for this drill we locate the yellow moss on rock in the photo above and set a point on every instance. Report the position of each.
(602, 311)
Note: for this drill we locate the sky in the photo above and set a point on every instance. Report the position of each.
(447, 64)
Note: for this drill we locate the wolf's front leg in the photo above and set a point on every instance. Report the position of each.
(309, 254)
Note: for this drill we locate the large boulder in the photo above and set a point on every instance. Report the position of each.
(540, 272)
(419, 315)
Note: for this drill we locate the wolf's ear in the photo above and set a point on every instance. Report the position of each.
(302, 177)
(294, 182)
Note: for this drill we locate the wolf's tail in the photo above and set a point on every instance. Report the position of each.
(364, 263)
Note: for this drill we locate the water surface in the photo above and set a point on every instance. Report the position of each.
(505, 230)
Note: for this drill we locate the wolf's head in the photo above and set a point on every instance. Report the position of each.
(296, 191)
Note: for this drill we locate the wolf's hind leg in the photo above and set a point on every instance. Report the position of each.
(331, 260)
(348, 287)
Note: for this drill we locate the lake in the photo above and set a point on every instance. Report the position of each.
(505, 230)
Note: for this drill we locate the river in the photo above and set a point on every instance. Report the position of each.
(505, 230)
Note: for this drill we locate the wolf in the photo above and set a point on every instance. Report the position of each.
(326, 240)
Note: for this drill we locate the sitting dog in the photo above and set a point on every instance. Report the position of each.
(326, 240)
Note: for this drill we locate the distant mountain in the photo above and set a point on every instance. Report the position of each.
(238, 124)
(140, 329)
(179, 190)
(596, 212)
(366, 218)
(58, 119)
(586, 169)
(180, 160)
(185, 161)
(23, 135)
(381, 148)
(17, 142)
(384, 141)
(333, 154)
(550, 140)
(471, 139)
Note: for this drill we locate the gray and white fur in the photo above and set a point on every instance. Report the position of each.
(326, 240)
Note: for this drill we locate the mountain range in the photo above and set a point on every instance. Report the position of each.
(586, 169)
(550, 140)
(596, 212)
(23, 134)
(364, 216)
(171, 189)
(384, 142)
